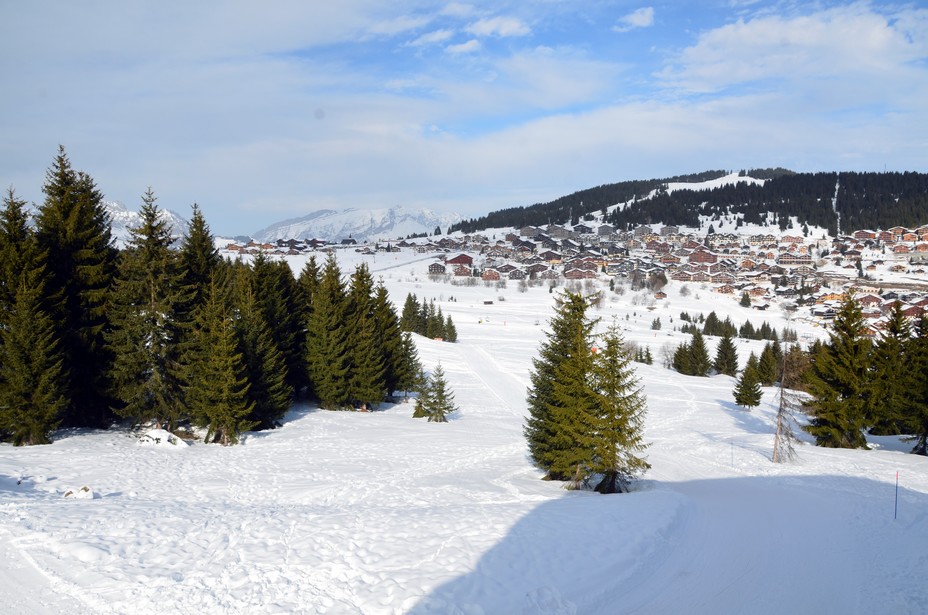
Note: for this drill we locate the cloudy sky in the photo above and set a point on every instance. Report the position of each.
(260, 111)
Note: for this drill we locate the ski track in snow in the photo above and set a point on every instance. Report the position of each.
(378, 513)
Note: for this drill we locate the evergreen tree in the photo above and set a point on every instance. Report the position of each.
(682, 360)
(199, 259)
(726, 356)
(389, 338)
(747, 388)
(894, 381)
(408, 368)
(409, 320)
(451, 333)
(73, 234)
(915, 417)
(366, 380)
(423, 388)
(17, 250)
(619, 416)
(839, 384)
(745, 300)
(328, 355)
(147, 329)
(218, 388)
(568, 323)
(573, 409)
(439, 402)
(767, 366)
(278, 297)
(32, 380)
(699, 361)
(265, 366)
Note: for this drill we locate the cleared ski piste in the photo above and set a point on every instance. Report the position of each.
(342, 512)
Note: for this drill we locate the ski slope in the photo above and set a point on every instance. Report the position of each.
(378, 513)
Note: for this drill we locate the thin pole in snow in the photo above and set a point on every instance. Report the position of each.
(896, 505)
(732, 452)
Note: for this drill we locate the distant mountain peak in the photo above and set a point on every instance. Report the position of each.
(122, 220)
(360, 224)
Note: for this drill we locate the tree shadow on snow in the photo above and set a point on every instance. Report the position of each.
(760, 544)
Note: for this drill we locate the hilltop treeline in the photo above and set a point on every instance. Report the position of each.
(152, 334)
(861, 200)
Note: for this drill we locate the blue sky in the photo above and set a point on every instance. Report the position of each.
(265, 111)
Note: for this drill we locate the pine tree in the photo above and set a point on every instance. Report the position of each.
(915, 418)
(265, 366)
(328, 355)
(277, 296)
(408, 368)
(569, 322)
(73, 235)
(147, 327)
(726, 356)
(620, 410)
(573, 408)
(409, 320)
(747, 388)
(32, 380)
(698, 355)
(423, 389)
(839, 384)
(199, 257)
(767, 366)
(439, 402)
(894, 381)
(389, 338)
(451, 333)
(17, 249)
(745, 300)
(217, 390)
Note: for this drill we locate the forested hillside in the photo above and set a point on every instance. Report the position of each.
(826, 200)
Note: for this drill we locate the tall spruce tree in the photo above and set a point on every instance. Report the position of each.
(409, 320)
(747, 388)
(568, 323)
(199, 259)
(148, 328)
(439, 402)
(767, 366)
(217, 390)
(894, 381)
(73, 235)
(408, 368)
(366, 379)
(389, 337)
(915, 418)
(726, 356)
(32, 382)
(265, 366)
(277, 295)
(17, 249)
(328, 355)
(620, 410)
(839, 382)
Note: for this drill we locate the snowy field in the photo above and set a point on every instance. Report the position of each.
(379, 513)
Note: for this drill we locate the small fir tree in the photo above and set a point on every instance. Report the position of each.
(726, 356)
(747, 389)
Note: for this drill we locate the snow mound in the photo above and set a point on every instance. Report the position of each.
(161, 438)
(84, 493)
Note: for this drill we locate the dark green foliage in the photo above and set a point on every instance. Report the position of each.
(148, 325)
(619, 410)
(389, 338)
(692, 359)
(745, 300)
(767, 366)
(915, 417)
(747, 388)
(265, 366)
(409, 320)
(839, 382)
(894, 381)
(32, 380)
(278, 297)
(218, 387)
(568, 324)
(408, 369)
(73, 235)
(656, 324)
(427, 320)
(726, 357)
(328, 354)
(199, 259)
(437, 401)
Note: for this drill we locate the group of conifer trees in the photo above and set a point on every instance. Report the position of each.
(90, 334)
(857, 384)
(586, 408)
(426, 319)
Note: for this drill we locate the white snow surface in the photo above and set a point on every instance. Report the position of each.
(371, 513)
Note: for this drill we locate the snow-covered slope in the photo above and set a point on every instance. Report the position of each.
(378, 513)
(362, 225)
(123, 220)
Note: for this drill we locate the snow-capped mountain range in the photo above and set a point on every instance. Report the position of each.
(122, 220)
(361, 225)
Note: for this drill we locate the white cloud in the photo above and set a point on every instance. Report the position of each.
(432, 38)
(499, 26)
(852, 44)
(640, 18)
(398, 25)
(469, 47)
(458, 9)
